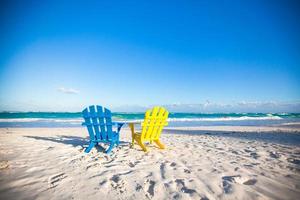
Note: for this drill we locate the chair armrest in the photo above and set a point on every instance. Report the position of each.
(131, 125)
(119, 125)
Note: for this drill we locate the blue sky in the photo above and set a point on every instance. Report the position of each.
(64, 55)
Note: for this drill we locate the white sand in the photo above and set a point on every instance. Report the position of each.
(49, 163)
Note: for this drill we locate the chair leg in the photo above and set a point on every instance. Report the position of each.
(132, 141)
(142, 145)
(111, 146)
(131, 126)
(161, 145)
(91, 145)
(118, 141)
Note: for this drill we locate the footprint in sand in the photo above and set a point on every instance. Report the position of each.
(204, 198)
(247, 151)
(227, 182)
(274, 155)
(163, 170)
(234, 152)
(133, 164)
(181, 185)
(77, 159)
(118, 183)
(54, 180)
(138, 187)
(250, 182)
(176, 196)
(92, 165)
(103, 183)
(173, 164)
(245, 180)
(294, 161)
(149, 188)
(254, 155)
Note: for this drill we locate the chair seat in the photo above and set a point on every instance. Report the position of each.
(138, 135)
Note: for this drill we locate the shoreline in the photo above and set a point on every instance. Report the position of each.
(285, 127)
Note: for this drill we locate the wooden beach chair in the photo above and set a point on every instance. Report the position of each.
(97, 120)
(155, 120)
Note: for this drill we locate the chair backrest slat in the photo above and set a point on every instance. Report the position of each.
(145, 123)
(100, 114)
(163, 122)
(87, 120)
(154, 121)
(107, 115)
(98, 122)
(94, 118)
(158, 123)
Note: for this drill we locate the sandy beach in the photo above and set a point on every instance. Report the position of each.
(217, 163)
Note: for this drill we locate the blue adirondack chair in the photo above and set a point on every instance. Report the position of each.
(97, 120)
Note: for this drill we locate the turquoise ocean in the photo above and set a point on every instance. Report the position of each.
(74, 119)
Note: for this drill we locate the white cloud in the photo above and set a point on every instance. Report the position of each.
(68, 90)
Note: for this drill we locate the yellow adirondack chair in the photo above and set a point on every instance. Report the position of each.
(155, 120)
